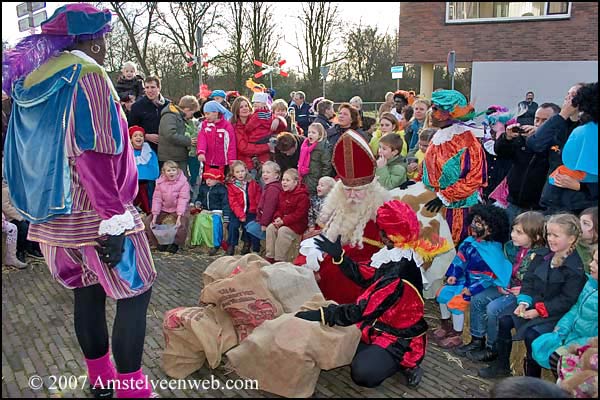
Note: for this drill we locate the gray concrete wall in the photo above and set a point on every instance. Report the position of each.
(505, 83)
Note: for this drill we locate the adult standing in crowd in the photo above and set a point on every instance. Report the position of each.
(93, 243)
(402, 98)
(529, 170)
(287, 150)
(357, 103)
(325, 113)
(387, 105)
(146, 112)
(246, 151)
(302, 110)
(530, 106)
(454, 165)
(348, 118)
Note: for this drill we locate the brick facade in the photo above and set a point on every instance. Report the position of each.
(424, 37)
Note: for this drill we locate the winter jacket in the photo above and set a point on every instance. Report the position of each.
(411, 133)
(246, 150)
(528, 117)
(214, 198)
(550, 138)
(217, 142)
(323, 120)
(528, 173)
(286, 162)
(302, 115)
(335, 132)
(171, 196)
(147, 114)
(576, 327)
(320, 166)
(242, 202)
(293, 209)
(393, 174)
(497, 169)
(268, 203)
(555, 289)
(130, 87)
(174, 143)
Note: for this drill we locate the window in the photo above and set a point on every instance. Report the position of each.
(500, 11)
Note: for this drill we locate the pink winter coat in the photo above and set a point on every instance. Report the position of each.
(171, 196)
(216, 140)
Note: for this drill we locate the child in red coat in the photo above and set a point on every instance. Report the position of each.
(291, 218)
(243, 193)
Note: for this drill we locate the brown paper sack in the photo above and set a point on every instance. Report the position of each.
(245, 298)
(222, 267)
(290, 284)
(286, 355)
(193, 335)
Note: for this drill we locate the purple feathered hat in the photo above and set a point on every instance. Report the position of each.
(69, 24)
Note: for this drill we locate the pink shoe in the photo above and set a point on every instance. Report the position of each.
(101, 375)
(134, 385)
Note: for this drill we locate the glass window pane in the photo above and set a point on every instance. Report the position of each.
(558, 7)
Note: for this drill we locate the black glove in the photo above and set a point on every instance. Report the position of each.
(334, 249)
(312, 315)
(406, 184)
(434, 205)
(111, 249)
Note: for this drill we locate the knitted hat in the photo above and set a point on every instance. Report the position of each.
(260, 97)
(213, 106)
(353, 159)
(217, 93)
(136, 128)
(213, 173)
(76, 19)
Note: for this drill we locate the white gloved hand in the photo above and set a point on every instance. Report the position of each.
(313, 255)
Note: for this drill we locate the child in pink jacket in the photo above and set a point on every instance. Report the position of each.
(216, 139)
(170, 201)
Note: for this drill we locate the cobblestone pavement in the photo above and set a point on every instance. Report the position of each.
(38, 338)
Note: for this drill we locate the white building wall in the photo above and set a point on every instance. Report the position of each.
(505, 83)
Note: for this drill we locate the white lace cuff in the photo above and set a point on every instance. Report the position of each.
(117, 224)
(444, 200)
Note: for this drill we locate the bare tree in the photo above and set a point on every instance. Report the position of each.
(137, 20)
(263, 33)
(180, 22)
(320, 21)
(367, 53)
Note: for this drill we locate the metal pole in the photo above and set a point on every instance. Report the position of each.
(271, 79)
(200, 73)
(452, 81)
(397, 84)
(323, 87)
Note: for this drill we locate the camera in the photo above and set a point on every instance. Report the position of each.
(518, 129)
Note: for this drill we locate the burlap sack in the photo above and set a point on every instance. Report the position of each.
(245, 298)
(193, 335)
(286, 355)
(290, 284)
(222, 267)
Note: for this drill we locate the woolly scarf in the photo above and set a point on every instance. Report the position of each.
(159, 101)
(304, 160)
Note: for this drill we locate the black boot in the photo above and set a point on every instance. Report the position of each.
(531, 368)
(21, 256)
(488, 354)
(173, 248)
(230, 250)
(475, 344)
(162, 247)
(213, 251)
(499, 368)
(413, 376)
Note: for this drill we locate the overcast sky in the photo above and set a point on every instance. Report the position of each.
(384, 15)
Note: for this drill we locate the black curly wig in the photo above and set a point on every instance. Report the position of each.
(586, 100)
(495, 218)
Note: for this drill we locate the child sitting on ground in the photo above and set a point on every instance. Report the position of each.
(130, 83)
(316, 203)
(243, 194)
(390, 167)
(478, 265)
(291, 218)
(315, 158)
(147, 166)
(212, 199)
(171, 198)
(271, 172)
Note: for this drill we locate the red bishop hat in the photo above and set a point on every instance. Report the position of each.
(353, 160)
